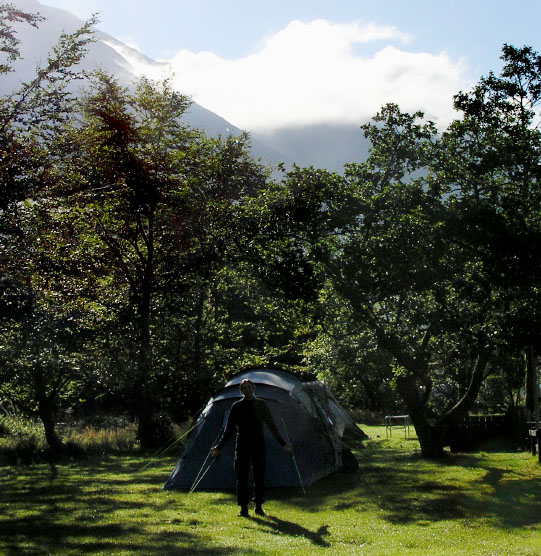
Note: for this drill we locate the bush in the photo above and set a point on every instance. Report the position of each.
(101, 440)
(23, 441)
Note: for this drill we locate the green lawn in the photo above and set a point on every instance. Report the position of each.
(487, 503)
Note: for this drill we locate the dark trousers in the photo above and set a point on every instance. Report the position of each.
(243, 458)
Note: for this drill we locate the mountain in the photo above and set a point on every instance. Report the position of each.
(322, 146)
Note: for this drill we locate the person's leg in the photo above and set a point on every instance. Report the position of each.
(259, 466)
(242, 466)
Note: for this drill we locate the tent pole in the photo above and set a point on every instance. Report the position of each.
(198, 478)
(196, 484)
(293, 456)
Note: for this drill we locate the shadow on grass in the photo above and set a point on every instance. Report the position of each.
(84, 509)
(409, 490)
(282, 527)
(89, 507)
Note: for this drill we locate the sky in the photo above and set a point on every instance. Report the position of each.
(267, 64)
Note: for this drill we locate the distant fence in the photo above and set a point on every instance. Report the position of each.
(475, 430)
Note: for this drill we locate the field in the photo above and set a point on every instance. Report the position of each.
(486, 503)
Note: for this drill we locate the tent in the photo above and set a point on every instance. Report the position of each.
(306, 414)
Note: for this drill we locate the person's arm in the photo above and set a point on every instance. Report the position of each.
(228, 432)
(269, 421)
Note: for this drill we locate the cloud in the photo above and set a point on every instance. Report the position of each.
(130, 42)
(320, 72)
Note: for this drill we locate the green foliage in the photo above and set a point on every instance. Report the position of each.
(141, 262)
(9, 43)
(23, 441)
(489, 165)
(32, 117)
(164, 206)
(424, 255)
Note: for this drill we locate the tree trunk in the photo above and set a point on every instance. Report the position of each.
(201, 372)
(47, 416)
(431, 442)
(144, 402)
(460, 410)
(530, 380)
(47, 411)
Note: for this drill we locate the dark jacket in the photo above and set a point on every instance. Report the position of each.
(248, 417)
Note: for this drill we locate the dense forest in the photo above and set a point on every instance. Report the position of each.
(142, 262)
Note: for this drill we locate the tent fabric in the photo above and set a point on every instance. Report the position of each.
(306, 414)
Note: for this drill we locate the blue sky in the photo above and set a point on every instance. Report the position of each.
(329, 60)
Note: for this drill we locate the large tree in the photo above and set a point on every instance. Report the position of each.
(37, 340)
(432, 243)
(489, 168)
(164, 202)
(450, 258)
(394, 266)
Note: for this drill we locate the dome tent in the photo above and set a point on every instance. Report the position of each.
(306, 414)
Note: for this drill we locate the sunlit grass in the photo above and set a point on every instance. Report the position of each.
(485, 504)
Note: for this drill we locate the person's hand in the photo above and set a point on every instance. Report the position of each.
(287, 448)
(214, 452)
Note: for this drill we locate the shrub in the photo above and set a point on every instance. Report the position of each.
(99, 440)
(22, 440)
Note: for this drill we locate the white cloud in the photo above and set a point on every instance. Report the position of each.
(135, 62)
(317, 72)
(130, 42)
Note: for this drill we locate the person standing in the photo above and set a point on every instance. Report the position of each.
(248, 417)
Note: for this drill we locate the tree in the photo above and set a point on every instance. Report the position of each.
(164, 202)
(349, 359)
(37, 340)
(42, 344)
(432, 258)
(489, 167)
(378, 240)
(397, 270)
(33, 115)
(9, 44)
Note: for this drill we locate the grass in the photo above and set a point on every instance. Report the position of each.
(486, 503)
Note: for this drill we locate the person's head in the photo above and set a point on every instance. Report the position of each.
(247, 388)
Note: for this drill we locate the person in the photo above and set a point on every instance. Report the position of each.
(248, 416)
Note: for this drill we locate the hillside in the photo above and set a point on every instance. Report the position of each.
(324, 146)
